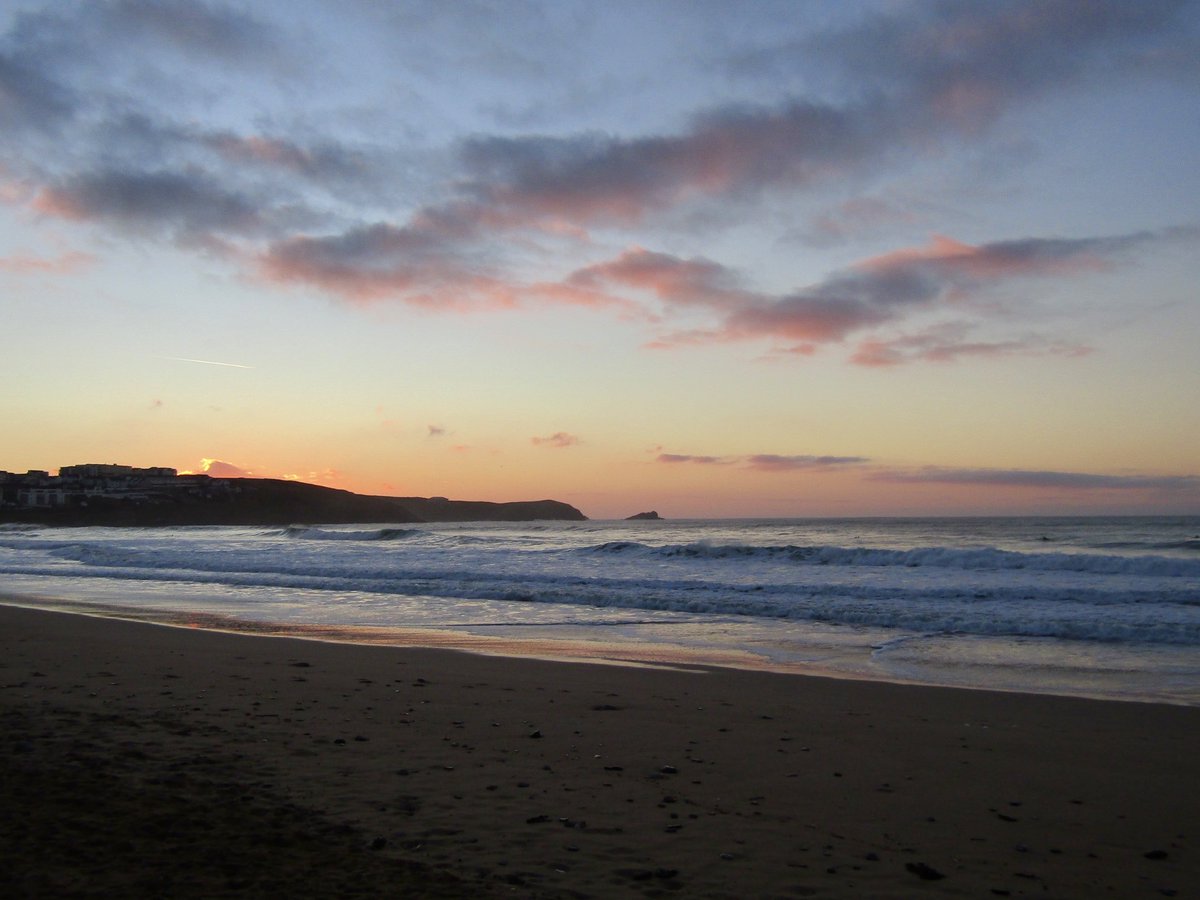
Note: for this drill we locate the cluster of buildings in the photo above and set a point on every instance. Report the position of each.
(98, 484)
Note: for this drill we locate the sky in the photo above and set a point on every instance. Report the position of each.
(715, 259)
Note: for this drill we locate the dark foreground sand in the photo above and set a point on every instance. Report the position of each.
(144, 761)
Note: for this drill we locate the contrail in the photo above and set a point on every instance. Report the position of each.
(207, 362)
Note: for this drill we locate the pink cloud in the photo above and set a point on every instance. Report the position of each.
(1003, 259)
(670, 278)
(262, 149)
(63, 264)
(560, 440)
(875, 292)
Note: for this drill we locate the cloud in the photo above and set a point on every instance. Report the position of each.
(934, 70)
(326, 161)
(576, 181)
(961, 63)
(955, 261)
(194, 26)
(855, 217)
(359, 223)
(696, 281)
(189, 203)
(674, 458)
(219, 469)
(770, 462)
(948, 343)
(764, 462)
(596, 178)
(63, 264)
(881, 290)
(420, 263)
(1034, 478)
(43, 49)
(31, 98)
(560, 440)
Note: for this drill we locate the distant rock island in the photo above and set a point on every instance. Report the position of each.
(644, 515)
(124, 495)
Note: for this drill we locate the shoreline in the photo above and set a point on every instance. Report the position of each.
(629, 653)
(558, 644)
(447, 773)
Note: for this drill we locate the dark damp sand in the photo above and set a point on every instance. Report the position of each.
(146, 761)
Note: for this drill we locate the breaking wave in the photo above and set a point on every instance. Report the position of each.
(311, 533)
(940, 557)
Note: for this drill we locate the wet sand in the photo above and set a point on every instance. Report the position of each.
(142, 760)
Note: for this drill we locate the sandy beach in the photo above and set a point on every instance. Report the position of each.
(142, 760)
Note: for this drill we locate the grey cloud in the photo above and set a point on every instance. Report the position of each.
(726, 152)
(675, 458)
(381, 260)
(322, 162)
(266, 161)
(936, 69)
(949, 343)
(964, 61)
(190, 203)
(379, 247)
(764, 462)
(195, 26)
(1035, 478)
(29, 97)
(770, 462)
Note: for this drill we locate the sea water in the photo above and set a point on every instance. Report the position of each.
(1105, 607)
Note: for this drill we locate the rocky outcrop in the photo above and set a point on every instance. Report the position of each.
(439, 509)
(645, 515)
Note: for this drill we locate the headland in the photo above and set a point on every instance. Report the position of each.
(116, 495)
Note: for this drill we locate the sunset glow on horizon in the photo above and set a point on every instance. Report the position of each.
(712, 259)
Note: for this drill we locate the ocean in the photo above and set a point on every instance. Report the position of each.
(1098, 607)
